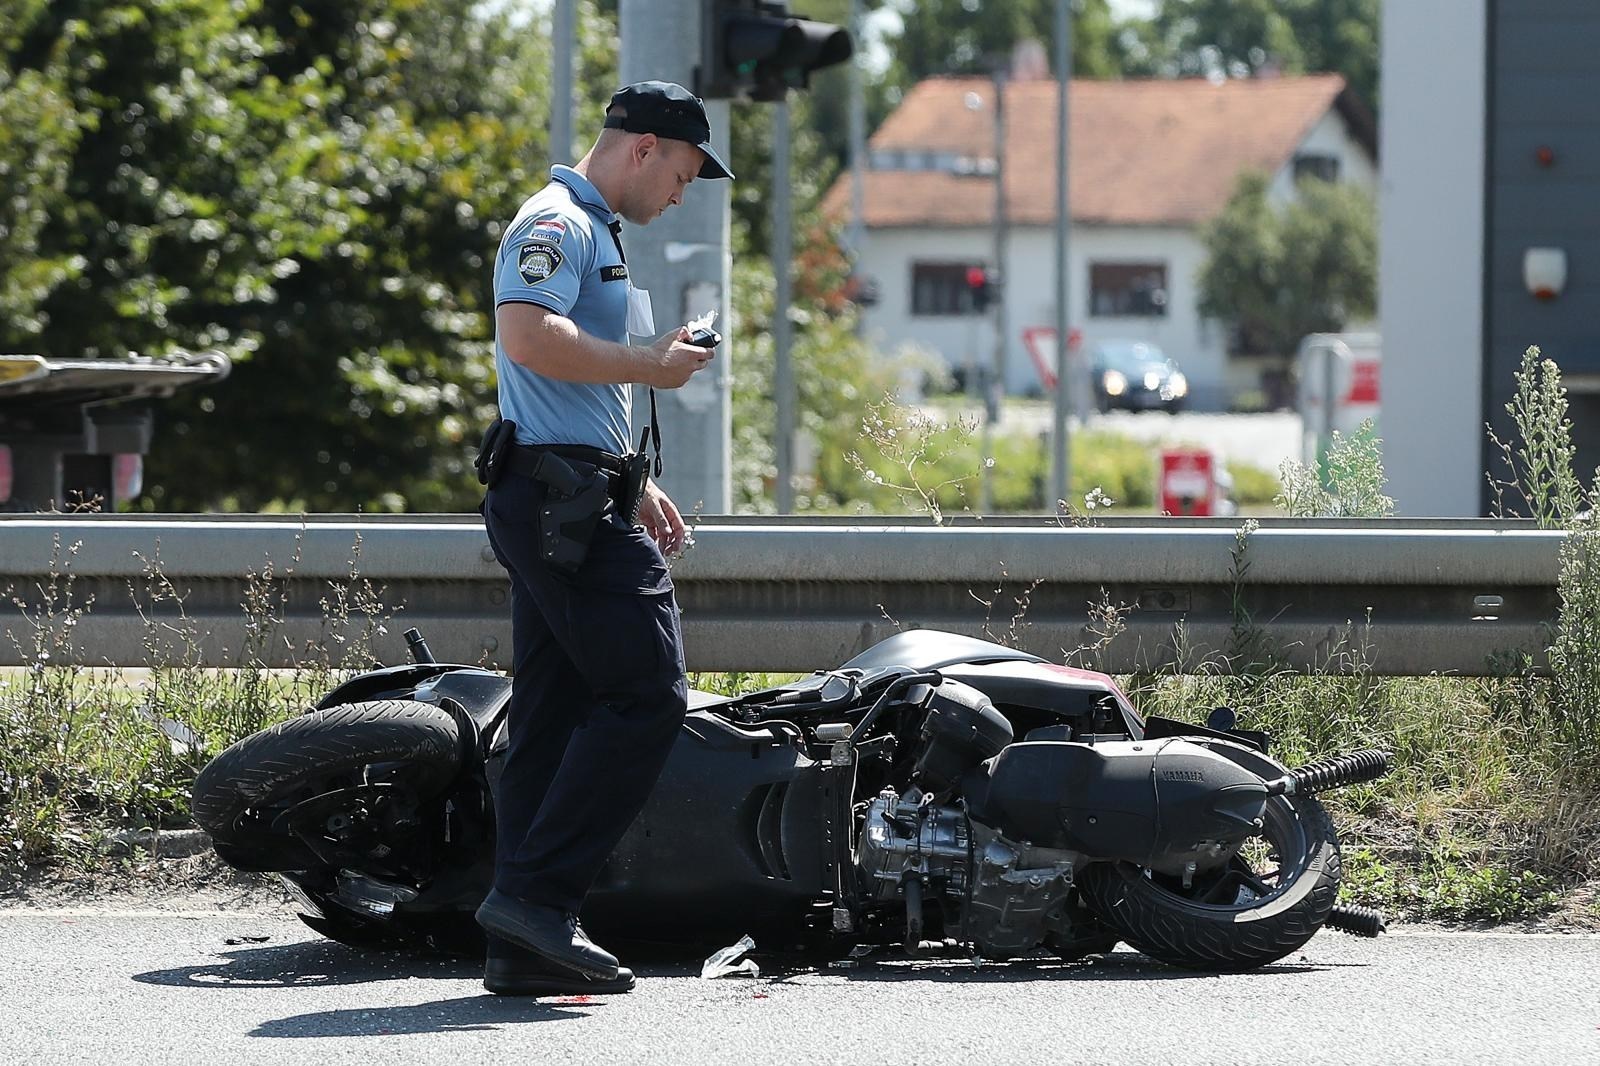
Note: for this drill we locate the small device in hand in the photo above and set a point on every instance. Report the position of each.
(701, 333)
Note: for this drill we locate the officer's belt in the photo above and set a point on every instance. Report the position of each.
(524, 458)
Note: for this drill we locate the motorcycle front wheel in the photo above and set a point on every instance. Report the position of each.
(238, 794)
(1267, 902)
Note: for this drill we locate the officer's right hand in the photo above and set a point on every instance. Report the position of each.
(676, 361)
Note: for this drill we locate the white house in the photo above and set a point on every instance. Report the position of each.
(1149, 161)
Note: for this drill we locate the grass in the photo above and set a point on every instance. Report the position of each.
(1483, 819)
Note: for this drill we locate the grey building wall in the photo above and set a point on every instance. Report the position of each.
(1544, 91)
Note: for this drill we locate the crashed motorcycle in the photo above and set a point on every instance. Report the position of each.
(935, 790)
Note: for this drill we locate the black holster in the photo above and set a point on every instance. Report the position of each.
(491, 460)
(576, 497)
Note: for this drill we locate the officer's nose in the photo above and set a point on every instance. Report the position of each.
(676, 199)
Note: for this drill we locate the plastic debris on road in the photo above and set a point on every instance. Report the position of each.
(723, 963)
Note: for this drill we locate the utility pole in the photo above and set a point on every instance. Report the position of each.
(563, 44)
(858, 144)
(997, 372)
(1060, 452)
(661, 40)
(782, 333)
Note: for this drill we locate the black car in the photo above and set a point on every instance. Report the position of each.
(1137, 376)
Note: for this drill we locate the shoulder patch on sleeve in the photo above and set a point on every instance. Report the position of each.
(538, 260)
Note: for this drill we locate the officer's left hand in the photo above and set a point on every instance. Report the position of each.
(662, 521)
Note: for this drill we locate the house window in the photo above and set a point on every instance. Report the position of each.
(1321, 167)
(941, 289)
(1127, 289)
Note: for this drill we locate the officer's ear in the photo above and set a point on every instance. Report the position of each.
(644, 146)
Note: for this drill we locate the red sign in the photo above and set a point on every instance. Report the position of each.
(1188, 482)
(1363, 382)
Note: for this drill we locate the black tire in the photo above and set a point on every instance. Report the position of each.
(1198, 928)
(311, 754)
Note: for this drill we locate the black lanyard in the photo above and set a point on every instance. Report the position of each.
(652, 432)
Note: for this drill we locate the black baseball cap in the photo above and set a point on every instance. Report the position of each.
(667, 110)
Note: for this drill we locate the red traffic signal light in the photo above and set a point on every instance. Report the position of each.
(980, 288)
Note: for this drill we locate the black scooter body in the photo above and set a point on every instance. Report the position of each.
(729, 841)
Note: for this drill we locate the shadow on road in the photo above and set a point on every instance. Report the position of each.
(310, 964)
(1119, 966)
(465, 1014)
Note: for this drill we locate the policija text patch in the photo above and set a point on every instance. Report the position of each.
(538, 261)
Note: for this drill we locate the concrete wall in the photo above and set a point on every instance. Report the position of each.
(1431, 206)
(968, 340)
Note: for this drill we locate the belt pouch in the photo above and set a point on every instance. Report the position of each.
(635, 473)
(574, 501)
(491, 460)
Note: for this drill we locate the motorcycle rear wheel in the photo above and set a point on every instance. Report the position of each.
(307, 756)
(1267, 903)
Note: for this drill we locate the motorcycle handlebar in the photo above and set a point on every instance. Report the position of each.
(897, 686)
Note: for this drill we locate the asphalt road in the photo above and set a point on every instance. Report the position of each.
(242, 988)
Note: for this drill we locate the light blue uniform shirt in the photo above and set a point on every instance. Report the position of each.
(559, 254)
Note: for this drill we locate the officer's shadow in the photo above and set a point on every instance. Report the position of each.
(320, 964)
(463, 1014)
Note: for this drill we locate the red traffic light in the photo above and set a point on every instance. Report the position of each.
(976, 278)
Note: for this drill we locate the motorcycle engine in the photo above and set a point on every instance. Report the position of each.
(1010, 895)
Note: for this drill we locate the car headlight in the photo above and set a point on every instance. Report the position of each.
(1114, 383)
(1178, 385)
(1152, 380)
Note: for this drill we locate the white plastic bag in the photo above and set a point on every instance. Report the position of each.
(722, 962)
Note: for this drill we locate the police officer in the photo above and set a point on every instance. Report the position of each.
(598, 689)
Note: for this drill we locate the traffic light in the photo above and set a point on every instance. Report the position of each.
(755, 49)
(979, 288)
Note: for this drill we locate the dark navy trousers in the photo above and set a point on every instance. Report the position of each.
(598, 695)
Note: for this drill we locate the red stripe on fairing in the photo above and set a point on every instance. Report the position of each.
(1087, 675)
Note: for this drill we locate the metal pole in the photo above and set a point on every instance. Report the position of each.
(1060, 457)
(858, 139)
(997, 373)
(782, 253)
(563, 43)
(661, 40)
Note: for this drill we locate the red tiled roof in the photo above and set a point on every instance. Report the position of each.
(1142, 152)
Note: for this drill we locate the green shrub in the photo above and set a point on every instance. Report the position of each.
(1253, 486)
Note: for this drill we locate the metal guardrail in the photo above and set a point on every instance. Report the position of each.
(1406, 598)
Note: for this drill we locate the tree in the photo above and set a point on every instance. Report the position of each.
(1243, 38)
(1278, 274)
(314, 188)
(967, 37)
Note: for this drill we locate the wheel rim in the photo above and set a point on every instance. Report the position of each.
(1265, 867)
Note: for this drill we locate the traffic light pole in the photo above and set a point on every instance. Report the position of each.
(782, 333)
(563, 47)
(683, 259)
(1002, 327)
(1060, 454)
